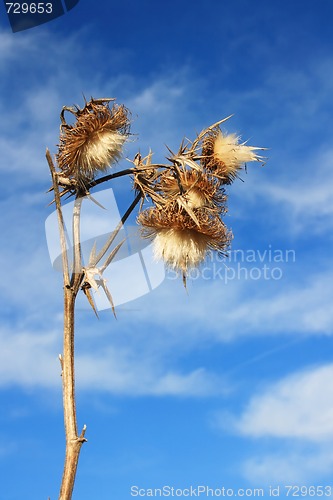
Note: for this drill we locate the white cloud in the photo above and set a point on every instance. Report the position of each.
(122, 372)
(11, 47)
(299, 406)
(299, 466)
(159, 105)
(221, 311)
(302, 205)
(174, 322)
(30, 360)
(291, 424)
(302, 307)
(214, 310)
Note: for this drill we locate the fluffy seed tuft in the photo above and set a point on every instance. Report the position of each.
(195, 189)
(94, 142)
(179, 240)
(225, 156)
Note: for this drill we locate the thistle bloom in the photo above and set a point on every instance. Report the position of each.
(189, 198)
(94, 142)
(179, 240)
(195, 188)
(224, 155)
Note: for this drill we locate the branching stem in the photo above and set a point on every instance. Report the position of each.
(73, 440)
(72, 286)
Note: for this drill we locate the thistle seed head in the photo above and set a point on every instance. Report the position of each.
(179, 241)
(224, 156)
(94, 142)
(196, 188)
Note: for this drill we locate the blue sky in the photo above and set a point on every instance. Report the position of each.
(228, 384)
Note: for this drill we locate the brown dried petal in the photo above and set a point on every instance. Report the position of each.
(94, 142)
(179, 241)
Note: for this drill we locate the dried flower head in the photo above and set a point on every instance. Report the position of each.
(178, 240)
(225, 156)
(95, 140)
(195, 189)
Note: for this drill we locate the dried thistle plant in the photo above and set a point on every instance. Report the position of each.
(94, 142)
(194, 189)
(188, 201)
(182, 240)
(224, 155)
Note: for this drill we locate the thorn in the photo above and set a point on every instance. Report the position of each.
(86, 291)
(95, 201)
(137, 159)
(81, 437)
(61, 363)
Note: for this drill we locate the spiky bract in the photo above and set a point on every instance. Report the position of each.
(94, 142)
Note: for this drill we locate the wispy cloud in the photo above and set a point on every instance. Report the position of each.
(30, 360)
(302, 202)
(290, 465)
(299, 406)
(212, 309)
(121, 372)
(244, 306)
(290, 422)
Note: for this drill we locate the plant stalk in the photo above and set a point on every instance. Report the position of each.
(72, 286)
(73, 440)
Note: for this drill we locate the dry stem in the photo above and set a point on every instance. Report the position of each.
(72, 282)
(73, 440)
